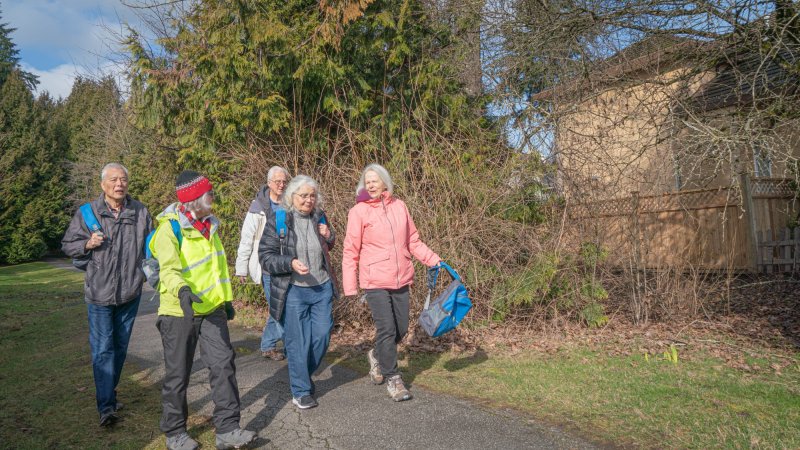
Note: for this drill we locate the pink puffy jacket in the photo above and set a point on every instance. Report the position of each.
(381, 237)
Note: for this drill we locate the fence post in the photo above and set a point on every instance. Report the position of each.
(796, 260)
(639, 307)
(750, 213)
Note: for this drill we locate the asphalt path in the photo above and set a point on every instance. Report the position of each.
(352, 413)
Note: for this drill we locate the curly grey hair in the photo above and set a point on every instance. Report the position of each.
(295, 185)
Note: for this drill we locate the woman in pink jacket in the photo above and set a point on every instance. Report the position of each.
(380, 240)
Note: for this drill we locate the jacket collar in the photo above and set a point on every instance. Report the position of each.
(102, 207)
(363, 197)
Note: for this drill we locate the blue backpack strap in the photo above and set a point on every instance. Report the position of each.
(280, 223)
(176, 229)
(147, 253)
(453, 273)
(89, 218)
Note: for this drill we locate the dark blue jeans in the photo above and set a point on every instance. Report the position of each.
(273, 331)
(109, 333)
(307, 321)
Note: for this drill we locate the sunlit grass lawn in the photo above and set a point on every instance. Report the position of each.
(47, 392)
(46, 385)
(627, 400)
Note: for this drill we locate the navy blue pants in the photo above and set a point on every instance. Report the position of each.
(307, 322)
(109, 334)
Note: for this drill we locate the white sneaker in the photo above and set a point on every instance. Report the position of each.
(182, 442)
(374, 368)
(397, 390)
(237, 438)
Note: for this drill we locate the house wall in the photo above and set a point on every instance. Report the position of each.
(630, 139)
(621, 140)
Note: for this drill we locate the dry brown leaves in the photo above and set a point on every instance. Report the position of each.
(755, 321)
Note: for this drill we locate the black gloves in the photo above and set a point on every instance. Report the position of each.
(229, 311)
(187, 297)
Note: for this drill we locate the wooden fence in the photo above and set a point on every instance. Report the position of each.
(706, 228)
(781, 254)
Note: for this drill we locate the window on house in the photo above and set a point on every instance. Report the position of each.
(762, 163)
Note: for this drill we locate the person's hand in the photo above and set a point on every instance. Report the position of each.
(324, 231)
(186, 297)
(95, 241)
(229, 311)
(299, 267)
(242, 279)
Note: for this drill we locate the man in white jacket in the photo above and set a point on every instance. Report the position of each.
(268, 199)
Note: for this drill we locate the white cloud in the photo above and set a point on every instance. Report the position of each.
(56, 81)
(79, 32)
(60, 40)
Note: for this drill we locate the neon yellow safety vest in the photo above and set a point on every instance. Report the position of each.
(201, 264)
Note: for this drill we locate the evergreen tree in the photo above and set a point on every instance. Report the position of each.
(33, 190)
(9, 60)
(89, 114)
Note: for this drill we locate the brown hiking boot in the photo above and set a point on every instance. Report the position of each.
(397, 390)
(274, 354)
(374, 368)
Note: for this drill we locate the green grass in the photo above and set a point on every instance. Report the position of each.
(46, 385)
(626, 400)
(47, 392)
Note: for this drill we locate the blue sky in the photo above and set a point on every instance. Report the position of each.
(59, 40)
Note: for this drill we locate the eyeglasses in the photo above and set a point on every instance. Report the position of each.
(307, 196)
(279, 182)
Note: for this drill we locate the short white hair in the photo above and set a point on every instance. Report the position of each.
(295, 185)
(382, 173)
(274, 171)
(202, 203)
(112, 166)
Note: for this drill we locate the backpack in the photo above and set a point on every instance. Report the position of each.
(150, 265)
(448, 308)
(93, 225)
(280, 222)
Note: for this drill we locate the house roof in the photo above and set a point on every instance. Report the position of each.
(743, 76)
(654, 53)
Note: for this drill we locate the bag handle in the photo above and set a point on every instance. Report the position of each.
(438, 267)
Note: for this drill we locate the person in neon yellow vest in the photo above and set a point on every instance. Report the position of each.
(195, 307)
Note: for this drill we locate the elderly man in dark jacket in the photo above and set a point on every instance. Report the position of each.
(113, 286)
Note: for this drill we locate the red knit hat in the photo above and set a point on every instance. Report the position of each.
(191, 185)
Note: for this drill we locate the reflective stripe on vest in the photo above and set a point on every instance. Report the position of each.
(205, 271)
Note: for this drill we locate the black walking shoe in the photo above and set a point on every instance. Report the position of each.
(305, 402)
(108, 419)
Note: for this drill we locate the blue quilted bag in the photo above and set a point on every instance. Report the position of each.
(447, 310)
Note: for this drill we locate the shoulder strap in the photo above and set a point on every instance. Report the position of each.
(453, 273)
(176, 229)
(450, 270)
(89, 218)
(280, 223)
